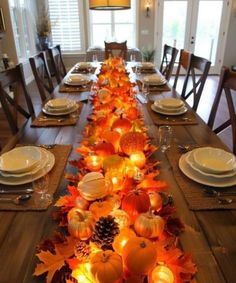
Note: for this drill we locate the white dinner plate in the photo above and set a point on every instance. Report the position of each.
(60, 103)
(30, 178)
(34, 170)
(76, 80)
(56, 110)
(169, 113)
(50, 112)
(160, 107)
(170, 103)
(202, 179)
(190, 160)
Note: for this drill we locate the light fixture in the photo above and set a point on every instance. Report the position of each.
(147, 8)
(109, 4)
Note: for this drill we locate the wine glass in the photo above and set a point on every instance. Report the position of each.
(145, 91)
(40, 187)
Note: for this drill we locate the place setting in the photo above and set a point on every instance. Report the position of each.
(171, 111)
(206, 176)
(83, 68)
(144, 68)
(30, 175)
(76, 83)
(58, 112)
(156, 82)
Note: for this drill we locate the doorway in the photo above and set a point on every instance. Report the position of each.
(198, 26)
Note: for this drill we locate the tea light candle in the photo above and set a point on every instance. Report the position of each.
(162, 274)
(94, 162)
(138, 159)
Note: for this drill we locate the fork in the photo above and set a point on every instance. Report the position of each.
(52, 119)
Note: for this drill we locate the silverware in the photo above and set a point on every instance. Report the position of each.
(183, 148)
(17, 200)
(224, 201)
(59, 120)
(23, 191)
(214, 193)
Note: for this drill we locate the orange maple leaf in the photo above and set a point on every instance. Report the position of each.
(149, 183)
(50, 263)
(68, 200)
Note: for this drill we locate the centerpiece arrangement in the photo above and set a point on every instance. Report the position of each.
(118, 223)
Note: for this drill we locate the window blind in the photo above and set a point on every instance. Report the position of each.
(65, 21)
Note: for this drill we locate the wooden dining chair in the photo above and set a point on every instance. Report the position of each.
(57, 63)
(196, 70)
(12, 89)
(168, 61)
(227, 85)
(115, 49)
(42, 75)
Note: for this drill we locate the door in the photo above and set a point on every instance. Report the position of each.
(198, 26)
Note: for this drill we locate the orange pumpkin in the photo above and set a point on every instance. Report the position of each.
(104, 149)
(112, 137)
(156, 200)
(132, 113)
(121, 125)
(121, 239)
(81, 203)
(132, 142)
(121, 217)
(100, 208)
(80, 223)
(139, 255)
(106, 267)
(114, 200)
(149, 225)
(135, 202)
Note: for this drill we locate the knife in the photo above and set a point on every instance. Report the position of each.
(24, 191)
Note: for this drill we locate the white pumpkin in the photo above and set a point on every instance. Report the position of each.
(94, 186)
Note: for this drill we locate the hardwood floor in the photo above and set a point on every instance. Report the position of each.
(203, 109)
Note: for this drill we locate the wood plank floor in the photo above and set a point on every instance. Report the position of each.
(203, 109)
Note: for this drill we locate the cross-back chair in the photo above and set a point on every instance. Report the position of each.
(115, 49)
(227, 85)
(12, 86)
(197, 69)
(42, 75)
(57, 62)
(168, 61)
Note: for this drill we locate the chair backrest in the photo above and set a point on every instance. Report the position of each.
(168, 61)
(227, 84)
(197, 69)
(115, 49)
(42, 75)
(57, 62)
(12, 86)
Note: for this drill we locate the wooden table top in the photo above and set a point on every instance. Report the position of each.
(209, 235)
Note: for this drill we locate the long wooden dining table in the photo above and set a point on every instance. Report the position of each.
(210, 235)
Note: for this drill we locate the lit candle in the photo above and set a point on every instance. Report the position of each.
(138, 159)
(117, 178)
(162, 274)
(94, 162)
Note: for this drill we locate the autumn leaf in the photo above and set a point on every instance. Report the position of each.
(50, 263)
(68, 200)
(149, 183)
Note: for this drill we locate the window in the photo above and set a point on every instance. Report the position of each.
(113, 26)
(65, 16)
(22, 23)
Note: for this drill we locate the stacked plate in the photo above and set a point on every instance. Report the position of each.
(25, 164)
(146, 65)
(76, 80)
(83, 65)
(169, 106)
(60, 106)
(154, 80)
(209, 166)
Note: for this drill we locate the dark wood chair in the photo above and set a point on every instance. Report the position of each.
(42, 75)
(196, 71)
(115, 49)
(168, 61)
(12, 89)
(57, 63)
(227, 85)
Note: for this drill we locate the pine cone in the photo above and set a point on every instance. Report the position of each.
(82, 250)
(104, 232)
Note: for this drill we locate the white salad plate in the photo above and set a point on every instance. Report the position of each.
(77, 80)
(160, 110)
(170, 103)
(214, 160)
(203, 179)
(20, 159)
(59, 103)
(191, 162)
(62, 112)
(34, 176)
(146, 65)
(154, 80)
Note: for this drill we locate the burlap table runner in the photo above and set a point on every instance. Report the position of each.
(57, 121)
(68, 88)
(61, 153)
(189, 118)
(193, 191)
